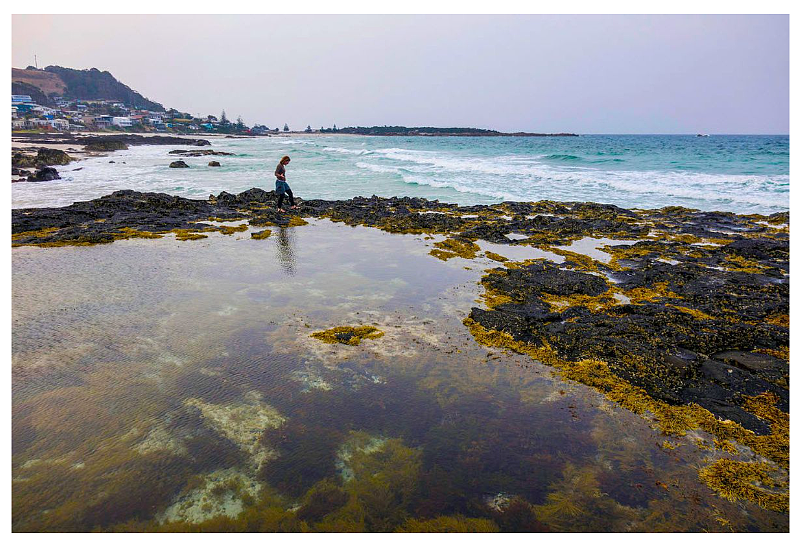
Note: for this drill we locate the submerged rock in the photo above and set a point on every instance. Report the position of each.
(214, 164)
(221, 493)
(179, 164)
(242, 423)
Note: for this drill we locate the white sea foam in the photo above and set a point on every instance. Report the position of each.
(466, 172)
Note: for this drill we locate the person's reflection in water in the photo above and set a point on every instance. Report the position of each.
(285, 250)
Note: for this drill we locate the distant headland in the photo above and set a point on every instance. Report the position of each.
(398, 130)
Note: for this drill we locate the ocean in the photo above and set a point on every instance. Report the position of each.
(742, 174)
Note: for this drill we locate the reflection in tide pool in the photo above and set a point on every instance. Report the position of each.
(175, 385)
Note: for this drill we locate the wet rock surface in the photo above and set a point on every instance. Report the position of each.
(695, 311)
(127, 138)
(43, 157)
(198, 153)
(44, 174)
(180, 164)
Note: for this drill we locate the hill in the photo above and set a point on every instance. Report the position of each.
(91, 84)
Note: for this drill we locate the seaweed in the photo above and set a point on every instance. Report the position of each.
(455, 247)
(449, 524)
(348, 335)
(263, 234)
(751, 481)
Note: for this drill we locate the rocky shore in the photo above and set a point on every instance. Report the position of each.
(34, 156)
(679, 315)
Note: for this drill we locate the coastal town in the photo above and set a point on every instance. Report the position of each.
(75, 115)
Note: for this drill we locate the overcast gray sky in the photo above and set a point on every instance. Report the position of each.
(586, 74)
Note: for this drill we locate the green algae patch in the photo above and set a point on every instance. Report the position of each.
(296, 221)
(348, 335)
(449, 524)
(455, 247)
(264, 234)
(751, 481)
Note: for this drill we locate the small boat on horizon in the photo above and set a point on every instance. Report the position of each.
(701, 135)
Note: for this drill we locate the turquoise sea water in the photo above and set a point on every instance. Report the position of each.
(744, 174)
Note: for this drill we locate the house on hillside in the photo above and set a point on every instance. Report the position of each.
(25, 108)
(22, 99)
(103, 122)
(44, 110)
(60, 124)
(121, 121)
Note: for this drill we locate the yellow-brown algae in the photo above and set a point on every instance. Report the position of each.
(751, 481)
(229, 230)
(187, 235)
(495, 257)
(348, 335)
(264, 234)
(454, 247)
(671, 420)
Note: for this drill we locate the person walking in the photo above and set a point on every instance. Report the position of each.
(281, 186)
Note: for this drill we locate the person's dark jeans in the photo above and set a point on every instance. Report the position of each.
(290, 198)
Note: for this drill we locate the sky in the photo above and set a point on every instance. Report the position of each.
(546, 73)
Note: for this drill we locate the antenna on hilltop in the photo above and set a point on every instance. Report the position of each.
(35, 62)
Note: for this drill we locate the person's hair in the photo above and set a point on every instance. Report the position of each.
(284, 159)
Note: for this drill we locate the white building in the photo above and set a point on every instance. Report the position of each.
(60, 124)
(122, 121)
(44, 110)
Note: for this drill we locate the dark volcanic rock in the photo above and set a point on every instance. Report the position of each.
(180, 164)
(44, 157)
(105, 145)
(44, 175)
(214, 164)
(50, 156)
(198, 153)
(102, 219)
